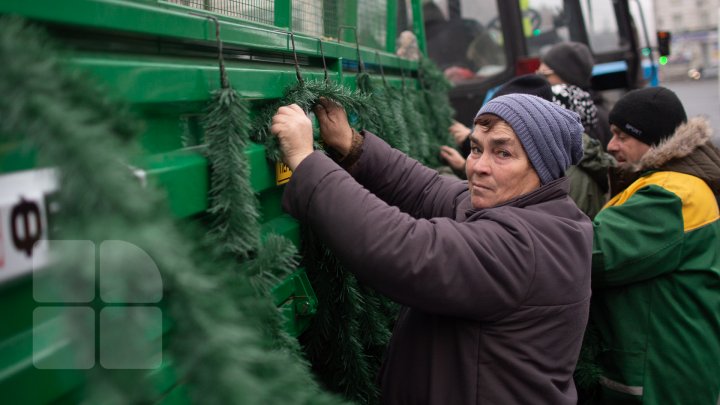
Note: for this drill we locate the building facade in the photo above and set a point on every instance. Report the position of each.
(694, 28)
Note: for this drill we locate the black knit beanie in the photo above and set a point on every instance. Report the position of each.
(649, 115)
(572, 61)
(535, 85)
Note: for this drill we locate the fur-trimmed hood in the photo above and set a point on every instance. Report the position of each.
(686, 139)
(688, 151)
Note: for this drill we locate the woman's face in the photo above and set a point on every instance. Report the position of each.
(498, 169)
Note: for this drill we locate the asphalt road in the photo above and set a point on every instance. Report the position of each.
(700, 97)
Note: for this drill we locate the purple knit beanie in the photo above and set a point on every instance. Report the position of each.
(550, 134)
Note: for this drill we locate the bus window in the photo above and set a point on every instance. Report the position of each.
(545, 22)
(601, 25)
(464, 39)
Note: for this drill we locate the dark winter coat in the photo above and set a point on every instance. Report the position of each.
(588, 180)
(496, 300)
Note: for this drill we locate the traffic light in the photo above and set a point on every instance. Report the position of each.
(663, 41)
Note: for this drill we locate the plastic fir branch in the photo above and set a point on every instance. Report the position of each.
(306, 94)
(235, 227)
(436, 106)
(216, 345)
(351, 327)
(394, 102)
(382, 119)
(233, 205)
(336, 343)
(588, 371)
(435, 88)
(416, 124)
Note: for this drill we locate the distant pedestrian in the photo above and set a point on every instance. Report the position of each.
(572, 63)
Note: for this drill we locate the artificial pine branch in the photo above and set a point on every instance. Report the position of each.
(334, 340)
(435, 87)
(415, 123)
(233, 205)
(306, 95)
(216, 346)
(351, 327)
(434, 105)
(235, 229)
(393, 98)
(588, 372)
(380, 120)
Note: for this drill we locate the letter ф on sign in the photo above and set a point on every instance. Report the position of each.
(25, 225)
(23, 221)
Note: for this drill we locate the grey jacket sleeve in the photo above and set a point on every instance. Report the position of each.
(477, 270)
(405, 183)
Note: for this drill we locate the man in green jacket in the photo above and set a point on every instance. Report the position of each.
(656, 257)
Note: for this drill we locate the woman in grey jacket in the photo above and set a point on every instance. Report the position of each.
(493, 272)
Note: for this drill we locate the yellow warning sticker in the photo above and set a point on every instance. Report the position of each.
(282, 173)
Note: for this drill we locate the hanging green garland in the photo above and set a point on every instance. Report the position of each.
(305, 94)
(233, 204)
(588, 372)
(434, 106)
(382, 119)
(435, 89)
(217, 345)
(415, 122)
(351, 328)
(235, 230)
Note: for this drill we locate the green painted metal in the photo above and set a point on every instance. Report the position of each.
(283, 14)
(391, 26)
(184, 176)
(418, 26)
(19, 379)
(348, 20)
(166, 74)
(164, 21)
(297, 301)
(15, 156)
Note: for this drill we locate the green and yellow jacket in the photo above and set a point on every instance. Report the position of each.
(656, 277)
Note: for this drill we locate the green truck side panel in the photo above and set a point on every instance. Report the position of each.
(160, 59)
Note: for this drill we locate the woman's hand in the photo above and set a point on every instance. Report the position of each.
(459, 132)
(334, 127)
(452, 157)
(294, 132)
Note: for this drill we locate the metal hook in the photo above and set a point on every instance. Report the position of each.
(322, 53)
(361, 67)
(223, 74)
(297, 65)
(382, 71)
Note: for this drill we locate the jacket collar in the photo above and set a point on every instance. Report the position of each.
(688, 151)
(683, 142)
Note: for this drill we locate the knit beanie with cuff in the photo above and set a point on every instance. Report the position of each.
(650, 115)
(550, 134)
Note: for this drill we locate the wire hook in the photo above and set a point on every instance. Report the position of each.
(382, 71)
(297, 65)
(322, 53)
(361, 67)
(224, 83)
